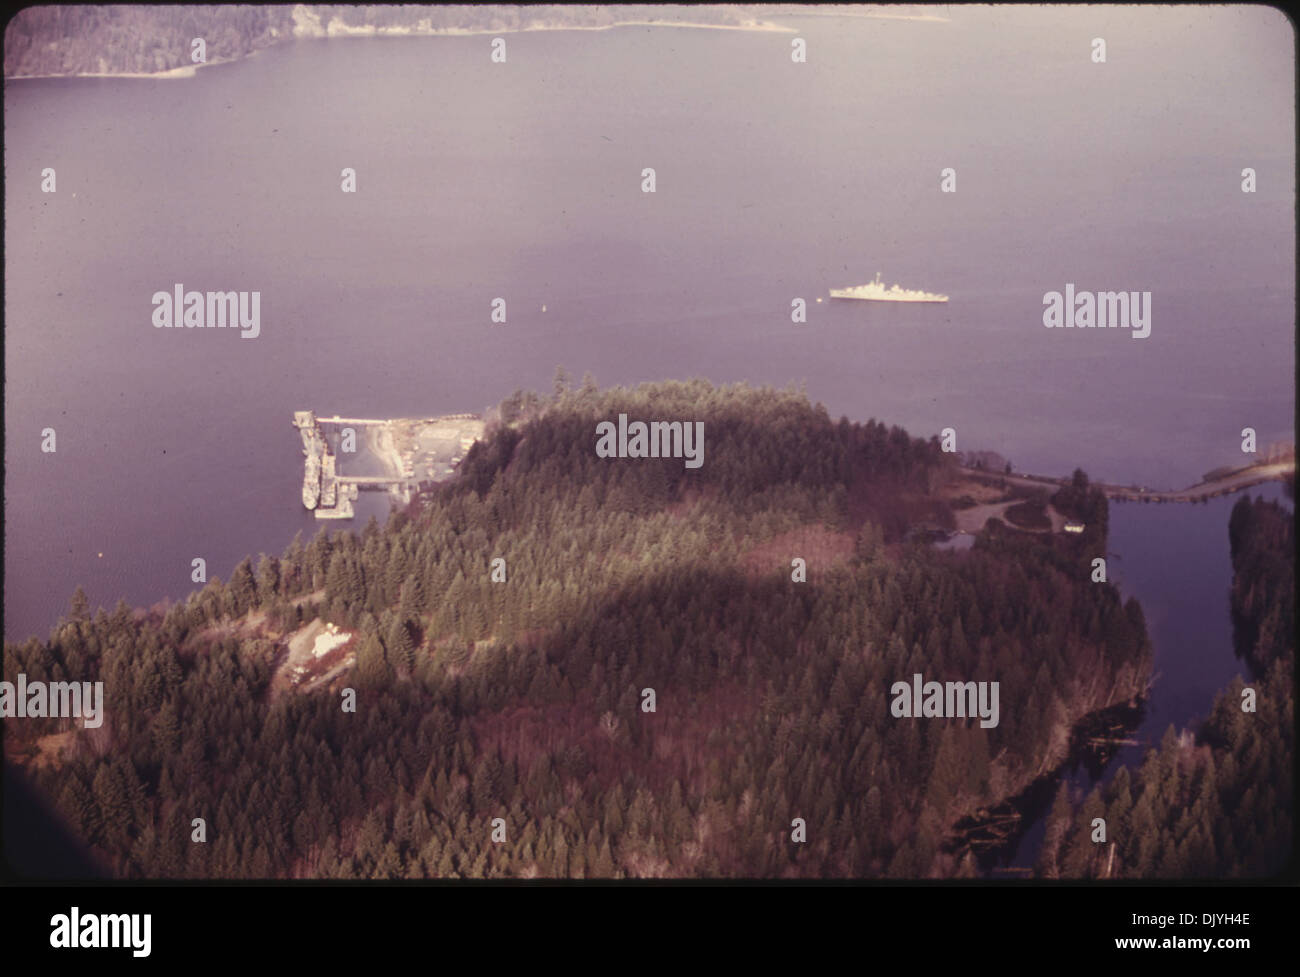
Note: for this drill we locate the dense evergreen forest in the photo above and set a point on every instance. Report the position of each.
(1218, 805)
(125, 38)
(526, 699)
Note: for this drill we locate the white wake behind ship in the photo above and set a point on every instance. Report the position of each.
(877, 292)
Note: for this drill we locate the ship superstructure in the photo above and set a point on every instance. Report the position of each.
(876, 292)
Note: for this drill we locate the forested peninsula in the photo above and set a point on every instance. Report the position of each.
(525, 699)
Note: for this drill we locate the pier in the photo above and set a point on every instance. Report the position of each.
(329, 494)
(435, 444)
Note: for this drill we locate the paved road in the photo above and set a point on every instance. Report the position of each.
(972, 520)
(1254, 475)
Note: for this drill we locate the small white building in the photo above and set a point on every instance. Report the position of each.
(1074, 527)
(328, 640)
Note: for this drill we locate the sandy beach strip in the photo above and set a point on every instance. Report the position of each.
(344, 30)
(184, 71)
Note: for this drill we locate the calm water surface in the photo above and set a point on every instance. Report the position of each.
(522, 180)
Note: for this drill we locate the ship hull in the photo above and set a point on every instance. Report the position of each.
(838, 294)
(311, 483)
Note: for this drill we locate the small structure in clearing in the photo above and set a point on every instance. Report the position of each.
(328, 640)
(318, 654)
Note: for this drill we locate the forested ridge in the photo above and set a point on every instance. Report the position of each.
(523, 700)
(1218, 804)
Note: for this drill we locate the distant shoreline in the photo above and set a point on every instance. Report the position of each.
(761, 27)
(868, 15)
(184, 71)
(190, 70)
